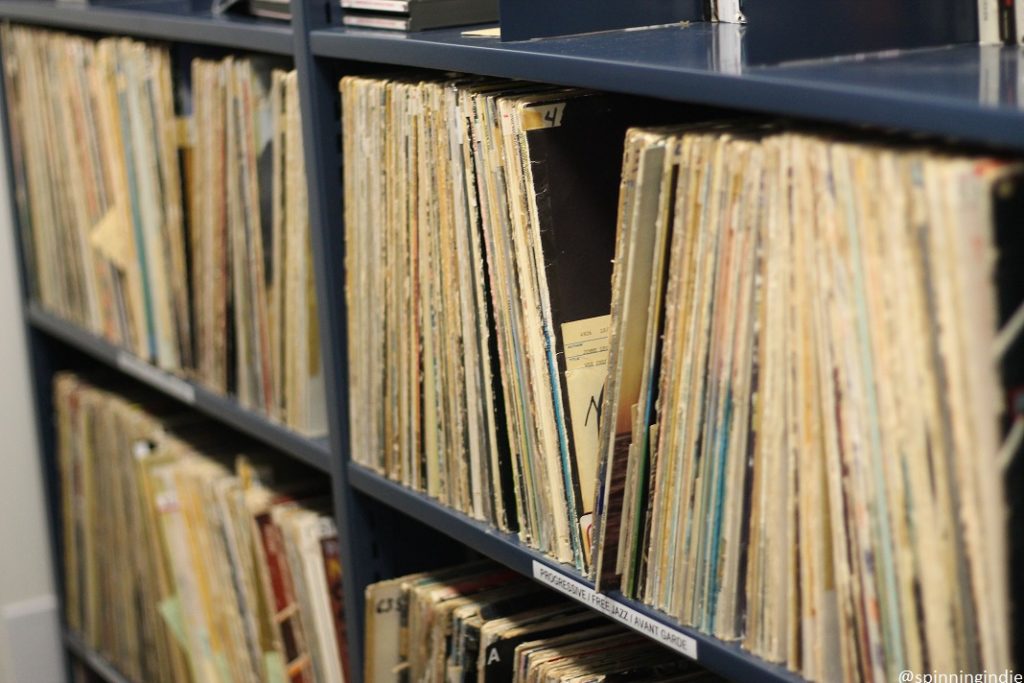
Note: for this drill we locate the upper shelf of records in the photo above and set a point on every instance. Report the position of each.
(961, 91)
(311, 450)
(715, 409)
(165, 20)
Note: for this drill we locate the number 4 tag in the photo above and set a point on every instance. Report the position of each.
(545, 116)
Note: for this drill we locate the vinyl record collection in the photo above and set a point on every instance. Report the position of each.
(94, 143)
(104, 169)
(751, 424)
(490, 244)
(255, 324)
(796, 460)
(187, 560)
(751, 387)
(483, 623)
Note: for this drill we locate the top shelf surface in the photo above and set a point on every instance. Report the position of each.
(968, 92)
(173, 20)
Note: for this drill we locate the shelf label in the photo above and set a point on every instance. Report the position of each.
(667, 636)
(165, 382)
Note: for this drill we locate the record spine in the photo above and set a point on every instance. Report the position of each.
(988, 22)
(1007, 21)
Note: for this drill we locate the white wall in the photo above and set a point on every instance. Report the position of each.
(29, 645)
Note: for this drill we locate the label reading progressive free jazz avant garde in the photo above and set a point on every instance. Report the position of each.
(669, 637)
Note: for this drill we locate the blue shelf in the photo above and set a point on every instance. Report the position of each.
(172, 21)
(967, 92)
(725, 659)
(312, 451)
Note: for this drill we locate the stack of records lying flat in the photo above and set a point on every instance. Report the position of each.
(271, 9)
(416, 15)
(483, 623)
(268, 9)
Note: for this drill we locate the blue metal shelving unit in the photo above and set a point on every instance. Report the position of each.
(963, 92)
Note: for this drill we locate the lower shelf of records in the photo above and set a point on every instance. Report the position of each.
(482, 622)
(189, 556)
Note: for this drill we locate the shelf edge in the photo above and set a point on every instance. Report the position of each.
(768, 90)
(726, 659)
(311, 451)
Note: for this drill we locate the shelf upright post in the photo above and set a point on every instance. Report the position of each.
(321, 130)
